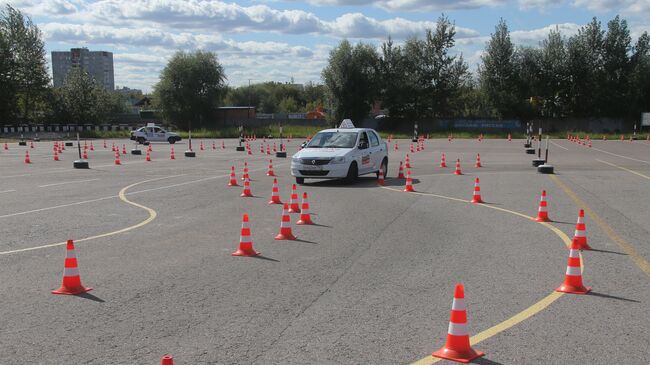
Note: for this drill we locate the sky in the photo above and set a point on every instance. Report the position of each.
(281, 40)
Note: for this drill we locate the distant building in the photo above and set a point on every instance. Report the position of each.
(98, 64)
(128, 91)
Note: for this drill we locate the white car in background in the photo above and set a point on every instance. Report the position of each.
(344, 152)
(153, 133)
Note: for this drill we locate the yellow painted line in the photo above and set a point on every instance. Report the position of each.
(521, 316)
(625, 169)
(122, 196)
(609, 231)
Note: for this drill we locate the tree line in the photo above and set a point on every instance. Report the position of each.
(595, 73)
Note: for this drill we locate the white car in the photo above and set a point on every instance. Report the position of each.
(153, 133)
(340, 153)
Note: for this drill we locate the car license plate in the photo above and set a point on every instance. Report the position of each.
(312, 167)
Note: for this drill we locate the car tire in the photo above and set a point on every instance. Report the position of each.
(300, 180)
(171, 140)
(353, 173)
(384, 164)
(140, 140)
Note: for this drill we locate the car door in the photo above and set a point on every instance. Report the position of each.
(160, 134)
(365, 155)
(376, 151)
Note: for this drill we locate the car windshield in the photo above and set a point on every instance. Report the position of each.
(333, 140)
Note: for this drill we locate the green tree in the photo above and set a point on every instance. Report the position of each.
(81, 100)
(350, 78)
(444, 74)
(617, 47)
(640, 77)
(7, 75)
(499, 75)
(27, 53)
(554, 78)
(190, 89)
(288, 105)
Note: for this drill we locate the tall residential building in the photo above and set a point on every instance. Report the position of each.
(99, 64)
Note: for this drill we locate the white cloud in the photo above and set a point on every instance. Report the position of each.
(535, 36)
(44, 7)
(415, 5)
(538, 4)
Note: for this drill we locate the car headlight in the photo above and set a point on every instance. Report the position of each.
(295, 159)
(337, 160)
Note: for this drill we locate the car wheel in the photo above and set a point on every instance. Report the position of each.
(171, 140)
(384, 165)
(353, 173)
(300, 180)
(140, 140)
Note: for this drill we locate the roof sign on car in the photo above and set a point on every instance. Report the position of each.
(346, 124)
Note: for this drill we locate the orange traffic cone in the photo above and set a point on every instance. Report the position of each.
(27, 160)
(573, 277)
(411, 149)
(476, 198)
(233, 178)
(270, 172)
(580, 237)
(268, 149)
(409, 182)
(223, 145)
(443, 163)
(201, 146)
(285, 225)
(305, 217)
(245, 174)
(6, 147)
(85, 154)
(407, 164)
(124, 149)
(31, 144)
(396, 146)
(275, 193)
(293, 200)
(117, 158)
(91, 146)
(401, 171)
(148, 157)
(262, 148)
(509, 137)
(457, 347)
(71, 281)
(104, 144)
(457, 172)
(245, 241)
(542, 211)
(167, 360)
(214, 146)
(171, 155)
(56, 155)
(380, 178)
(478, 161)
(247, 189)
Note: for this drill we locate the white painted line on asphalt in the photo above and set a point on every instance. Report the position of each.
(559, 145)
(67, 182)
(621, 156)
(7, 191)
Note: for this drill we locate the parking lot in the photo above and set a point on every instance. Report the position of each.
(371, 282)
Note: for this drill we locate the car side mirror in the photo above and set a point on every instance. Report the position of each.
(363, 145)
(303, 145)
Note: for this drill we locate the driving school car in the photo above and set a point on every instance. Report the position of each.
(153, 133)
(344, 152)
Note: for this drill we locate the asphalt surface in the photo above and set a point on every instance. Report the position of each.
(372, 282)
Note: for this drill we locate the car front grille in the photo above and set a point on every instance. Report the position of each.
(314, 161)
(313, 173)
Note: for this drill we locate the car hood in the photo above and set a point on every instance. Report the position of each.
(322, 152)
